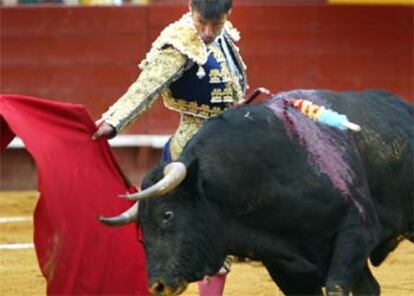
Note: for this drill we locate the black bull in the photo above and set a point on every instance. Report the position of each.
(312, 202)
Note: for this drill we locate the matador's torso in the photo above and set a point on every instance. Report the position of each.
(195, 79)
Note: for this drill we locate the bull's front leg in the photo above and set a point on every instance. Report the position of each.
(300, 282)
(367, 285)
(354, 242)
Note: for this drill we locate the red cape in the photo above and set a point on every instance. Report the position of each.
(78, 180)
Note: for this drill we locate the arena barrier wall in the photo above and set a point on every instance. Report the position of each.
(89, 55)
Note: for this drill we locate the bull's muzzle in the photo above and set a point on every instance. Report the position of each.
(159, 288)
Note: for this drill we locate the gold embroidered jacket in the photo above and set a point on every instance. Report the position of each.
(178, 60)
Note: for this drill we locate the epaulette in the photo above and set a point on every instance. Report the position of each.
(232, 31)
(183, 36)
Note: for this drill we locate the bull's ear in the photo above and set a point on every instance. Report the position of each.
(192, 169)
(153, 176)
(192, 180)
(193, 172)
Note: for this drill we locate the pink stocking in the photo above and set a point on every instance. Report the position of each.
(213, 287)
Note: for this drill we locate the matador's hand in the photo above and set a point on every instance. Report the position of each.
(104, 129)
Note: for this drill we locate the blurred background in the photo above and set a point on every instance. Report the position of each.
(87, 52)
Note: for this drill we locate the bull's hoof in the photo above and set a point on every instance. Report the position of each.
(336, 290)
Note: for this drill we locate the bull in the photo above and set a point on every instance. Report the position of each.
(312, 202)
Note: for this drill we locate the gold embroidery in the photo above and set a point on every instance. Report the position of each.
(217, 53)
(216, 95)
(201, 72)
(188, 126)
(183, 36)
(222, 95)
(166, 66)
(191, 108)
(225, 73)
(215, 76)
(239, 92)
(232, 31)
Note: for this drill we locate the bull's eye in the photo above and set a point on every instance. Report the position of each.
(167, 216)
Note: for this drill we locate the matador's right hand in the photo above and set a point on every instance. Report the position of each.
(104, 129)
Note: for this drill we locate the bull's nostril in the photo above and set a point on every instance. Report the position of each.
(159, 288)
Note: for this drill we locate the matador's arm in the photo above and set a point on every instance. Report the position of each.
(165, 66)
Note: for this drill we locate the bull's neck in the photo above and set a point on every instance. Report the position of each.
(241, 241)
(255, 243)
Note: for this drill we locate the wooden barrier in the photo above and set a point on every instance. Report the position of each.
(89, 55)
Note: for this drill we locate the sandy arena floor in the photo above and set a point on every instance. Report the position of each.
(19, 273)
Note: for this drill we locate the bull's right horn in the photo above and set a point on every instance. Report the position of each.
(174, 174)
(126, 217)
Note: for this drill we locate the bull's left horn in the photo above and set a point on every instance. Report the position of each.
(126, 217)
(174, 174)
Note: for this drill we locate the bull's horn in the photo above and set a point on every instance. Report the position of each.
(174, 174)
(126, 217)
